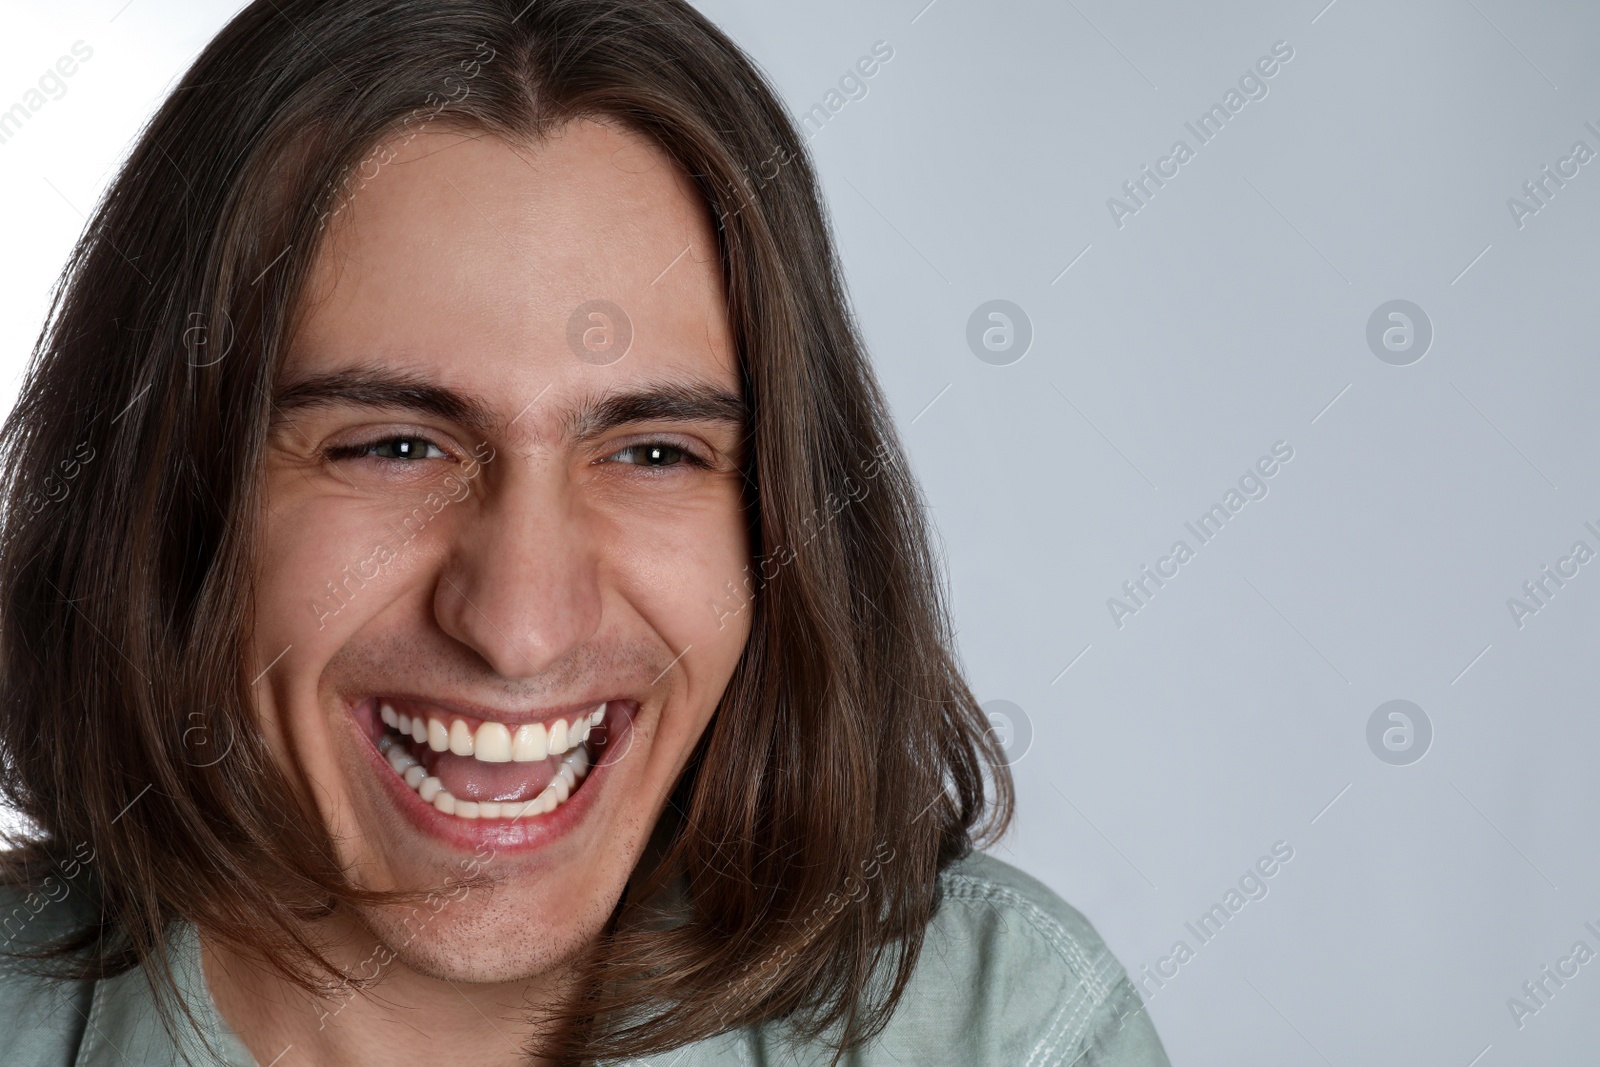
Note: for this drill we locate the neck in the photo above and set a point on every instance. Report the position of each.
(404, 1017)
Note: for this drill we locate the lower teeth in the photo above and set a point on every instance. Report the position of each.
(574, 765)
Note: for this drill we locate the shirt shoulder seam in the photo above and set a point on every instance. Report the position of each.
(1097, 977)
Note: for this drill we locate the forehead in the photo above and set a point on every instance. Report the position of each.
(468, 259)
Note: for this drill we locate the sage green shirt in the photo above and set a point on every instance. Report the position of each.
(1009, 975)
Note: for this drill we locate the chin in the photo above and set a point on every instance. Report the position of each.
(482, 940)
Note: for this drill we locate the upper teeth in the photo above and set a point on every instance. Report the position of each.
(495, 742)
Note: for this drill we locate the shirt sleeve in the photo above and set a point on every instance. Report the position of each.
(1122, 1034)
(1049, 991)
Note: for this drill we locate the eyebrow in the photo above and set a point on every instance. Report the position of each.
(664, 401)
(384, 389)
(657, 402)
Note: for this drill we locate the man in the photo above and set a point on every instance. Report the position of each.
(493, 623)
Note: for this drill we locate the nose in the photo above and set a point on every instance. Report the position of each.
(522, 584)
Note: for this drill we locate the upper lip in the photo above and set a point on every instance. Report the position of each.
(483, 712)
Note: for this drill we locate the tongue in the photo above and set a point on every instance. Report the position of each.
(470, 779)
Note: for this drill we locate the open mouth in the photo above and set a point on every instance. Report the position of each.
(481, 769)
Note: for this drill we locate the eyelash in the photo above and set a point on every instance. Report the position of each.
(363, 450)
(689, 458)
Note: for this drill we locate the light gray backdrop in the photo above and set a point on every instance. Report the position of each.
(1150, 354)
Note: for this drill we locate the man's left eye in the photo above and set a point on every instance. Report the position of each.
(403, 448)
(655, 454)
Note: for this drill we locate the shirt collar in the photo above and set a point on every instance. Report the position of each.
(123, 1028)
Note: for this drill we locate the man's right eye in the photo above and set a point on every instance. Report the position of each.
(399, 447)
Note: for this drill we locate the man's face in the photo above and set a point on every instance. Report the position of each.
(483, 525)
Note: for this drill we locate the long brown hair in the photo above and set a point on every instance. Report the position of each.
(132, 503)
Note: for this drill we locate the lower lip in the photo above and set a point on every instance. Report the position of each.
(523, 834)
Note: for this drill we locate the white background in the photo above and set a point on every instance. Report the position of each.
(1229, 313)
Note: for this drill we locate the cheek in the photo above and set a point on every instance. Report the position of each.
(326, 568)
(327, 565)
(686, 575)
(302, 597)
